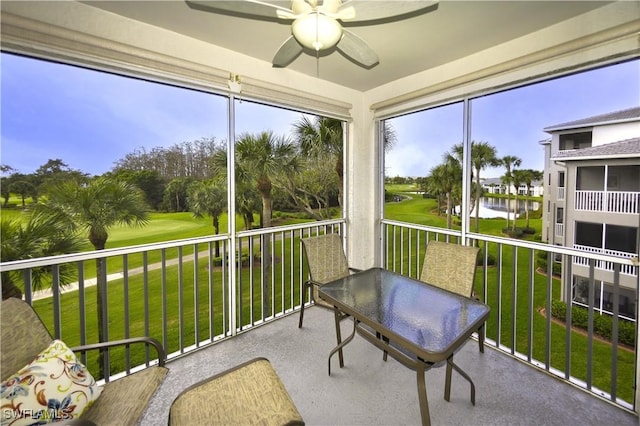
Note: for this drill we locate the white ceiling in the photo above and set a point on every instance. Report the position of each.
(455, 29)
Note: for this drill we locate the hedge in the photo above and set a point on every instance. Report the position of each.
(602, 324)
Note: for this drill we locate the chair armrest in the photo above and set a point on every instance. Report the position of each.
(126, 342)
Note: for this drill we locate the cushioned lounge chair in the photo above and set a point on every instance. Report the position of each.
(122, 401)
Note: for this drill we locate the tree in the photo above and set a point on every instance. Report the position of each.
(41, 236)
(483, 155)
(323, 136)
(518, 177)
(509, 161)
(208, 199)
(260, 159)
(175, 194)
(4, 182)
(530, 175)
(446, 178)
(23, 188)
(52, 172)
(149, 181)
(94, 208)
(313, 188)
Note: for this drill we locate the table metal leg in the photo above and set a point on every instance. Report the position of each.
(341, 344)
(422, 395)
(447, 386)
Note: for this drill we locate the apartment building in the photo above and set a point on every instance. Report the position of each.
(592, 202)
(497, 186)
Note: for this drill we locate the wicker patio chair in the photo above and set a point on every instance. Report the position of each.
(452, 267)
(327, 262)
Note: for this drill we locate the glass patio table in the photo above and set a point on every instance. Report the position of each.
(418, 324)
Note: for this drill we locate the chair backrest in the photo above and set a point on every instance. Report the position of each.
(450, 266)
(23, 336)
(325, 257)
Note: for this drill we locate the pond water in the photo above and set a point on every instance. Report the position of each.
(497, 207)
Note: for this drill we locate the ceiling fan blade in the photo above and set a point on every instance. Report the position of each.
(299, 7)
(368, 12)
(355, 48)
(244, 8)
(288, 51)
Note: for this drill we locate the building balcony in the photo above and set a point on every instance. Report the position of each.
(625, 202)
(211, 312)
(603, 264)
(559, 229)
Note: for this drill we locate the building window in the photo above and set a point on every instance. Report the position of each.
(560, 221)
(560, 185)
(620, 238)
(603, 297)
(588, 234)
(575, 141)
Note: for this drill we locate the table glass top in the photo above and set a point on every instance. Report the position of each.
(432, 319)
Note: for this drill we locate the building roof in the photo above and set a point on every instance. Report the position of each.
(498, 181)
(621, 149)
(630, 114)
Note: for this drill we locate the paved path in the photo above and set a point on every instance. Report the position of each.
(43, 294)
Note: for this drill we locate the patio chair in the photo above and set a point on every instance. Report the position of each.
(327, 262)
(452, 267)
(28, 353)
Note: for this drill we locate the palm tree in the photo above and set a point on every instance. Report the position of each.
(509, 161)
(94, 208)
(530, 175)
(260, 159)
(324, 135)
(445, 178)
(483, 155)
(518, 177)
(208, 199)
(41, 236)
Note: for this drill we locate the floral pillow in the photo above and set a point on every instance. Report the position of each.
(53, 387)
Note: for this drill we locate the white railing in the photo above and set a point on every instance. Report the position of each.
(560, 193)
(605, 265)
(560, 229)
(626, 202)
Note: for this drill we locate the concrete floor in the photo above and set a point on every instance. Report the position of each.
(369, 391)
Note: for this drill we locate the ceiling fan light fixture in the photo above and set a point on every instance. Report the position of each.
(317, 31)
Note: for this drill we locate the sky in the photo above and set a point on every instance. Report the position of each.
(512, 121)
(91, 119)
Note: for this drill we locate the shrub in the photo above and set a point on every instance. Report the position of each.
(602, 324)
(541, 262)
(491, 259)
(517, 233)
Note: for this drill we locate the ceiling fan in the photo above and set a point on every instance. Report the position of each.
(317, 25)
